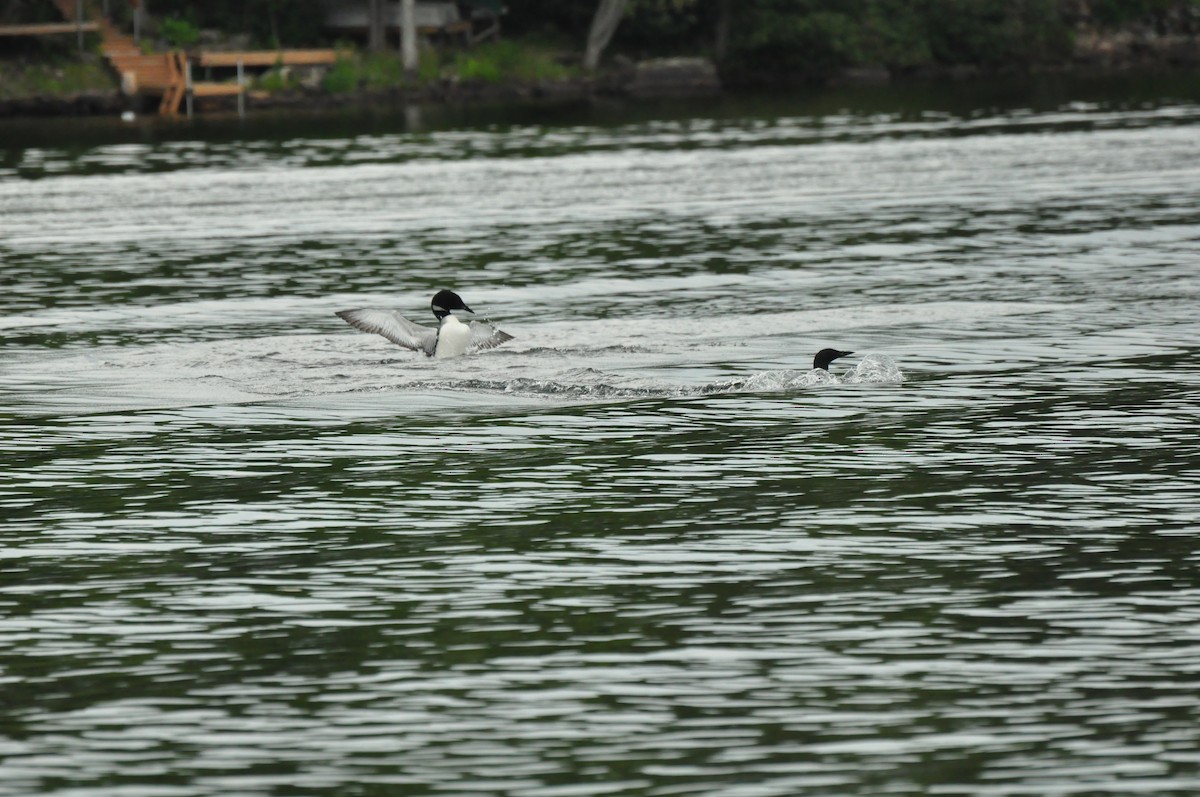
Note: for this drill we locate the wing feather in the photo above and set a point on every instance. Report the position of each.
(485, 336)
(393, 326)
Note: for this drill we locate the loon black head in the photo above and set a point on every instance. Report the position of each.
(444, 302)
(826, 356)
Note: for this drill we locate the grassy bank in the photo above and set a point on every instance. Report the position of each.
(495, 62)
(59, 78)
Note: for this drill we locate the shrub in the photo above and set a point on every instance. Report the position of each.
(382, 70)
(473, 67)
(813, 43)
(277, 79)
(496, 61)
(342, 77)
(372, 70)
(179, 32)
(54, 79)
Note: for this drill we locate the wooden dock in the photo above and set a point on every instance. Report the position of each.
(155, 74)
(242, 60)
(49, 29)
(168, 76)
(268, 58)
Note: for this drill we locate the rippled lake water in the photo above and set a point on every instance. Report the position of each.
(640, 549)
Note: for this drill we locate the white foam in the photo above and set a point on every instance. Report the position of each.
(871, 369)
(788, 380)
(874, 368)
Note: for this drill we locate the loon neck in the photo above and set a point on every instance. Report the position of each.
(826, 356)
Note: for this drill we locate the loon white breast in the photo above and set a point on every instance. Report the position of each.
(450, 338)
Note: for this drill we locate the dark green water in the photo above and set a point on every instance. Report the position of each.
(640, 549)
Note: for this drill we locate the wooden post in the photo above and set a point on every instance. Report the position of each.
(408, 38)
(188, 85)
(79, 24)
(242, 93)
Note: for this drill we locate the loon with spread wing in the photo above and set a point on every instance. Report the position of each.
(450, 338)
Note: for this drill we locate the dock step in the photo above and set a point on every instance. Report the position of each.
(269, 58)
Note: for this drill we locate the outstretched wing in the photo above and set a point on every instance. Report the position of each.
(485, 336)
(393, 326)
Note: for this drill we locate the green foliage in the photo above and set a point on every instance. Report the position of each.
(430, 68)
(179, 32)
(489, 63)
(789, 42)
(25, 12)
(342, 77)
(817, 37)
(472, 67)
(1112, 13)
(508, 60)
(666, 27)
(895, 35)
(54, 79)
(277, 79)
(994, 32)
(569, 18)
(375, 71)
(382, 70)
(293, 23)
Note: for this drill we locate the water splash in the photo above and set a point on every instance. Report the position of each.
(788, 380)
(874, 368)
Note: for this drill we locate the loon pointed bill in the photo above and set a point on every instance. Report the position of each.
(450, 338)
(826, 356)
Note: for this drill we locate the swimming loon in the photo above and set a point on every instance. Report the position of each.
(826, 356)
(450, 339)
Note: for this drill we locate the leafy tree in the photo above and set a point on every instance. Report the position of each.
(994, 32)
(269, 22)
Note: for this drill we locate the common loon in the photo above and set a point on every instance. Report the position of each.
(826, 356)
(450, 339)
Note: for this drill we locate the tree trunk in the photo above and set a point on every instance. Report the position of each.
(604, 25)
(375, 25)
(408, 37)
(724, 9)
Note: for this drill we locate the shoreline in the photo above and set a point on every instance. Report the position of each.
(1066, 38)
(661, 79)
